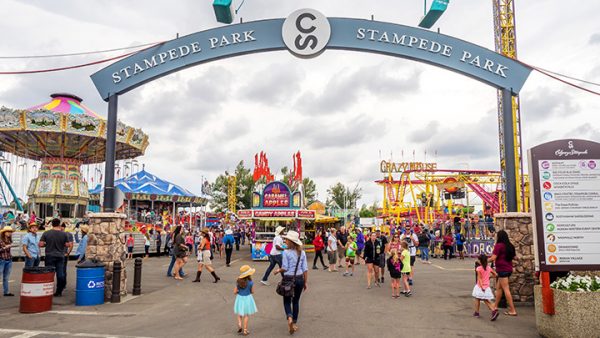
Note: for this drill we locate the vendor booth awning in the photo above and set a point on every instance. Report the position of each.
(146, 186)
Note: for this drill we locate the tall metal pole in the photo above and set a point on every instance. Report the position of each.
(111, 145)
(509, 151)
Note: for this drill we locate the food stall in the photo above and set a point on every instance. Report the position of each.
(276, 205)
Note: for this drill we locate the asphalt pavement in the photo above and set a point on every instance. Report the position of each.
(333, 306)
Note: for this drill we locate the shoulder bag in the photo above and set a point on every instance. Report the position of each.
(287, 284)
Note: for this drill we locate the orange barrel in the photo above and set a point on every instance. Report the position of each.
(37, 288)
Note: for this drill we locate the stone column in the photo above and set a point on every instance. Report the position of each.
(519, 227)
(106, 244)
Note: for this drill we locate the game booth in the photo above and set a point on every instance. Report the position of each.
(276, 205)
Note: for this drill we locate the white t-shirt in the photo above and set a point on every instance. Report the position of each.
(331, 243)
(277, 241)
(411, 245)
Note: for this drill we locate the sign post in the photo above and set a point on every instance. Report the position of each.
(566, 208)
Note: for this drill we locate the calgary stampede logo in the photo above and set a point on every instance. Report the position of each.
(571, 152)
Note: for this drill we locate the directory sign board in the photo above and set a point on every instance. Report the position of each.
(565, 175)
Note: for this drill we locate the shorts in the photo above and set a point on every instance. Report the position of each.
(460, 247)
(504, 274)
(350, 259)
(130, 249)
(204, 258)
(331, 257)
(341, 252)
(412, 260)
(406, 274)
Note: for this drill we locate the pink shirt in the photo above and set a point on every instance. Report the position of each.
(485, 276)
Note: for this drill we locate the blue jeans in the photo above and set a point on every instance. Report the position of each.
(292, 304)
(33, 261)
(273, 259)
(5, 267)
(58, 262)
(171, 265)
(424, 253)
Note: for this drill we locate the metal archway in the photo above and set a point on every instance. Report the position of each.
(302, 31)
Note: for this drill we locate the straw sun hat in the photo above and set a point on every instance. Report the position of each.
(279, 230)
(246, 271)
(293, 236)
(7, 228)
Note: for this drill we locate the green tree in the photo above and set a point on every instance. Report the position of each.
(343, 196)
(366, 212)
(245, 186)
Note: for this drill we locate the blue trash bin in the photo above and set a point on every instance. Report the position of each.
(90, 283)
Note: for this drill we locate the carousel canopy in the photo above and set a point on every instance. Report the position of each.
(64, 128)
(146, 186)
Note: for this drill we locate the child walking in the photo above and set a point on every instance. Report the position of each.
(244, 302)
(351, 249)
(405, 257)
(394, 265)
(482, 290)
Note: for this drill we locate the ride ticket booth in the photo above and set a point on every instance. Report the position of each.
(276, 205)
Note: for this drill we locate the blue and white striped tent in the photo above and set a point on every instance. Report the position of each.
(144, 182)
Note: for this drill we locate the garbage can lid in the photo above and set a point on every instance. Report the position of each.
(39, 269)
(91, 263)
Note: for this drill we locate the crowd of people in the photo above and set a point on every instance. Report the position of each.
(392, 254)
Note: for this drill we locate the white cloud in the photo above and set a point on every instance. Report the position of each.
(341, 109)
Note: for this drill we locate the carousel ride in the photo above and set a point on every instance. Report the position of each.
(63, 134)
(426, 194)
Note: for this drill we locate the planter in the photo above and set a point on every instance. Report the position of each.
(576, 314)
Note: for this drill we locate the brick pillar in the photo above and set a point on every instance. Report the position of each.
(106, 244)
(519, 227)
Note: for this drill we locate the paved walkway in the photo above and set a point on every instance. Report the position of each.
(333, 306)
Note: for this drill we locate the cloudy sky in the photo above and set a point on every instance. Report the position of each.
(345, 111)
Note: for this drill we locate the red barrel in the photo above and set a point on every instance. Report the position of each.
(37, 288)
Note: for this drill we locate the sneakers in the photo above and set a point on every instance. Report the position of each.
(345, 274)
(408, 294)
(476, 314)
(9, 295)
(315, 267)
(495, 315)
(264, 282)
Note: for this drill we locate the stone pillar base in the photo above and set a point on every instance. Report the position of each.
(106, 244)
(519, 227)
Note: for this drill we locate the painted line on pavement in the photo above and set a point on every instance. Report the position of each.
(33, 333)
(456, 269)
(89, 313)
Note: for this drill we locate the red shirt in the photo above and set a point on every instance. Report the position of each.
(130, 241)
(502, 265)
(318, 243)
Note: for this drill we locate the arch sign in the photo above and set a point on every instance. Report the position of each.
(307, 33)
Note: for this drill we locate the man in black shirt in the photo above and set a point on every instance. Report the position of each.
(56, 242)
(383, 242)
(342, 239)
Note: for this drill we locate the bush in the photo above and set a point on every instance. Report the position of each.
(577, 284)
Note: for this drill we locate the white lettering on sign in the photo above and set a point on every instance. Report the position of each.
(37, 289)
(156, 60)
(404, 40)
(488, 65)
(231, 39)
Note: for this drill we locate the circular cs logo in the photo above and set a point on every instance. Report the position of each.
(306, 32)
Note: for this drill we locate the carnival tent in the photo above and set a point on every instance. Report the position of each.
(143, 184)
